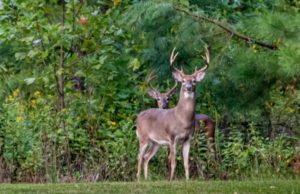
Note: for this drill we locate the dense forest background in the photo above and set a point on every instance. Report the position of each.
(72, 81)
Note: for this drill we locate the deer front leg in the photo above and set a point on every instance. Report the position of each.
(142, 150)
(148, 157)
(185, 155)
(172, 159)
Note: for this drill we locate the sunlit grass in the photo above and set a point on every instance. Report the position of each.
(232, 187)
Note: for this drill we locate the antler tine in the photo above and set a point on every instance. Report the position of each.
(172, 56)
(149, 79)
(172, 59)
(206, 57)
(172, 89)
(206, 60)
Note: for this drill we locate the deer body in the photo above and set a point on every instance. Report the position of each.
(150, 123)
(166, 127)
(209, 124)
(176, 121)
(170, 126)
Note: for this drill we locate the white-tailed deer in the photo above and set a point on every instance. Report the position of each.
(162, 100)
(173, 126)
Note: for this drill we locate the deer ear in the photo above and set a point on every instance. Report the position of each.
(200, 75)
(153, 94)
(177, 76)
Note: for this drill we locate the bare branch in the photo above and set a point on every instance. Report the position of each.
(227, 29)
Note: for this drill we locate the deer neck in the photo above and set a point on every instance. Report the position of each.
(185, 108)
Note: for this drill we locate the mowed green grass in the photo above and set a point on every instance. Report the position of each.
(165, 187)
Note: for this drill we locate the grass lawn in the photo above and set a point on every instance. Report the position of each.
(182, 187)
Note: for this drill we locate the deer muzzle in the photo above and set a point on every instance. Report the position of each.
(189, 87)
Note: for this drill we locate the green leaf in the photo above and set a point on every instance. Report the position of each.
(32, 53)
(3, 68)
(60, 71)
(80, 73)
(28, 39)
(97, 67)
(29, 80)
(135, 64)
(102, 59)
(20, 56)
(185, 2)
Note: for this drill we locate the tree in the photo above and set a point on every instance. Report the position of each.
(72, 78)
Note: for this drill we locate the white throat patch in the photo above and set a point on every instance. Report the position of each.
(189, 94)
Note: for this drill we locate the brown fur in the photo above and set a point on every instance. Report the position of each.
(169, 126)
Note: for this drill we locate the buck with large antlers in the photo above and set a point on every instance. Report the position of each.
(173, 126)
(162, 100)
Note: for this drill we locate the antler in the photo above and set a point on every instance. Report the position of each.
(149, 79)
(172, 90)
(206, 60)
(172, 59)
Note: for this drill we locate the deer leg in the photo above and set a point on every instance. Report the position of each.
(148, 157)
(212, 147)
(210, 137)
(142, 150)
(185, 154)
(172, 158)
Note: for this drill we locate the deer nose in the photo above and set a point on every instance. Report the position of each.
(164, 106)
(189, 87)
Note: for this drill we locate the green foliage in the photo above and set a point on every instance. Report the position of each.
(257, 156)
(108, 48)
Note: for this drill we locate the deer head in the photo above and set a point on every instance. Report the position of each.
(189, 81)
(161, 98)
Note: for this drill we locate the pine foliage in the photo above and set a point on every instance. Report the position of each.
(108, 48)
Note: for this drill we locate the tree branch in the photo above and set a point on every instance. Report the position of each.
(226, 29)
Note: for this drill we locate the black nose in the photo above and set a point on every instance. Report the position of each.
(164, 106)
(189, 87)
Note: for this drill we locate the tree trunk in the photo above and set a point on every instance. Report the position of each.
(61, 93)
(61, 82)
